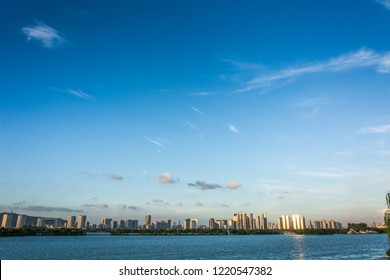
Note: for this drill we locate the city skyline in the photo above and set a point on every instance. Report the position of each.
(192, 108)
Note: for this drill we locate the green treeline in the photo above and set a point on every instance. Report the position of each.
(225, 232)
(33, 231)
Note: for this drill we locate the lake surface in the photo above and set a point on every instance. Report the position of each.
(241, 247)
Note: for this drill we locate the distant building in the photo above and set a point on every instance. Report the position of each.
(264, 221)
(148, 219)
(186, 223)
(21, 221)
(81, 221)
(131, 224)
(71, 222)
(106, 223)
(9, 220)
(50, 222)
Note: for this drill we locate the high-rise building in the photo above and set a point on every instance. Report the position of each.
(212, 224)
(324, 225)
(258, 222)
(245, 221)
(71, 222)
(9, 220)
(21, 221)
(81, 221)
(280, 222)
(148, 219)
(193, 223)
(264, 221)
(251, 222)
(186, 223)
(106, 223)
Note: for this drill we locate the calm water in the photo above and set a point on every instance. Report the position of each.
(270, 247)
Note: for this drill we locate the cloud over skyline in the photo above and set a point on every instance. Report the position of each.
(114, 177)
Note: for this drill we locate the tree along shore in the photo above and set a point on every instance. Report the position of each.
(37, 231)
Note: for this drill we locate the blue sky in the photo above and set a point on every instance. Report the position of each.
(195, 109)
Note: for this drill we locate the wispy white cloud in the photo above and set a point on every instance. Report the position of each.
(79, 94)
(157, 200)
(199, 204)
(233, 128)
(155, 142)
(47, 36)
(74, 92)
(385, 3)
(98, 205)
(191, 125)
(241, 65)
(122, 206)
(201, 93)
(376, 129)
(197, 111)
(166, 178)
(114, 177)
(326, 173)
(354, 60)
(20, 202)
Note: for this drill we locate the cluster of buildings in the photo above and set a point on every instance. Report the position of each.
(240, 221)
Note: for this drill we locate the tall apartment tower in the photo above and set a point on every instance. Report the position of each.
(258, 222)
(264, 221)
(245, 221)
(81, 221)
(9, 220)
(251, 222)
(211, 223)
(71, 222)
(148, 219)
(21, 222)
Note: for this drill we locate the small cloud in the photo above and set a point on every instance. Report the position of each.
(114, 177)
(134, 208)
(90, 174)
(325, 173)
(233, 128)
(202, 93)
(197, 111)
(199, 204)
(376, 129)
(101, 205)
(45, 35)
(122, 206)
(166, 204)
(79, 93)
(157, 200)
(179, 204)
(385, 3)
(247, 204)
(51, 209)
(74, 92)
(157, 143)
(166, 178)
(224, 205)
(233, 185)
(21, 202)
(203, 185)
(191, 125)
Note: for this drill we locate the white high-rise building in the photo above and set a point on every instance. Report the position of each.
(81, 221)
(71, 223)
(21, 222)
